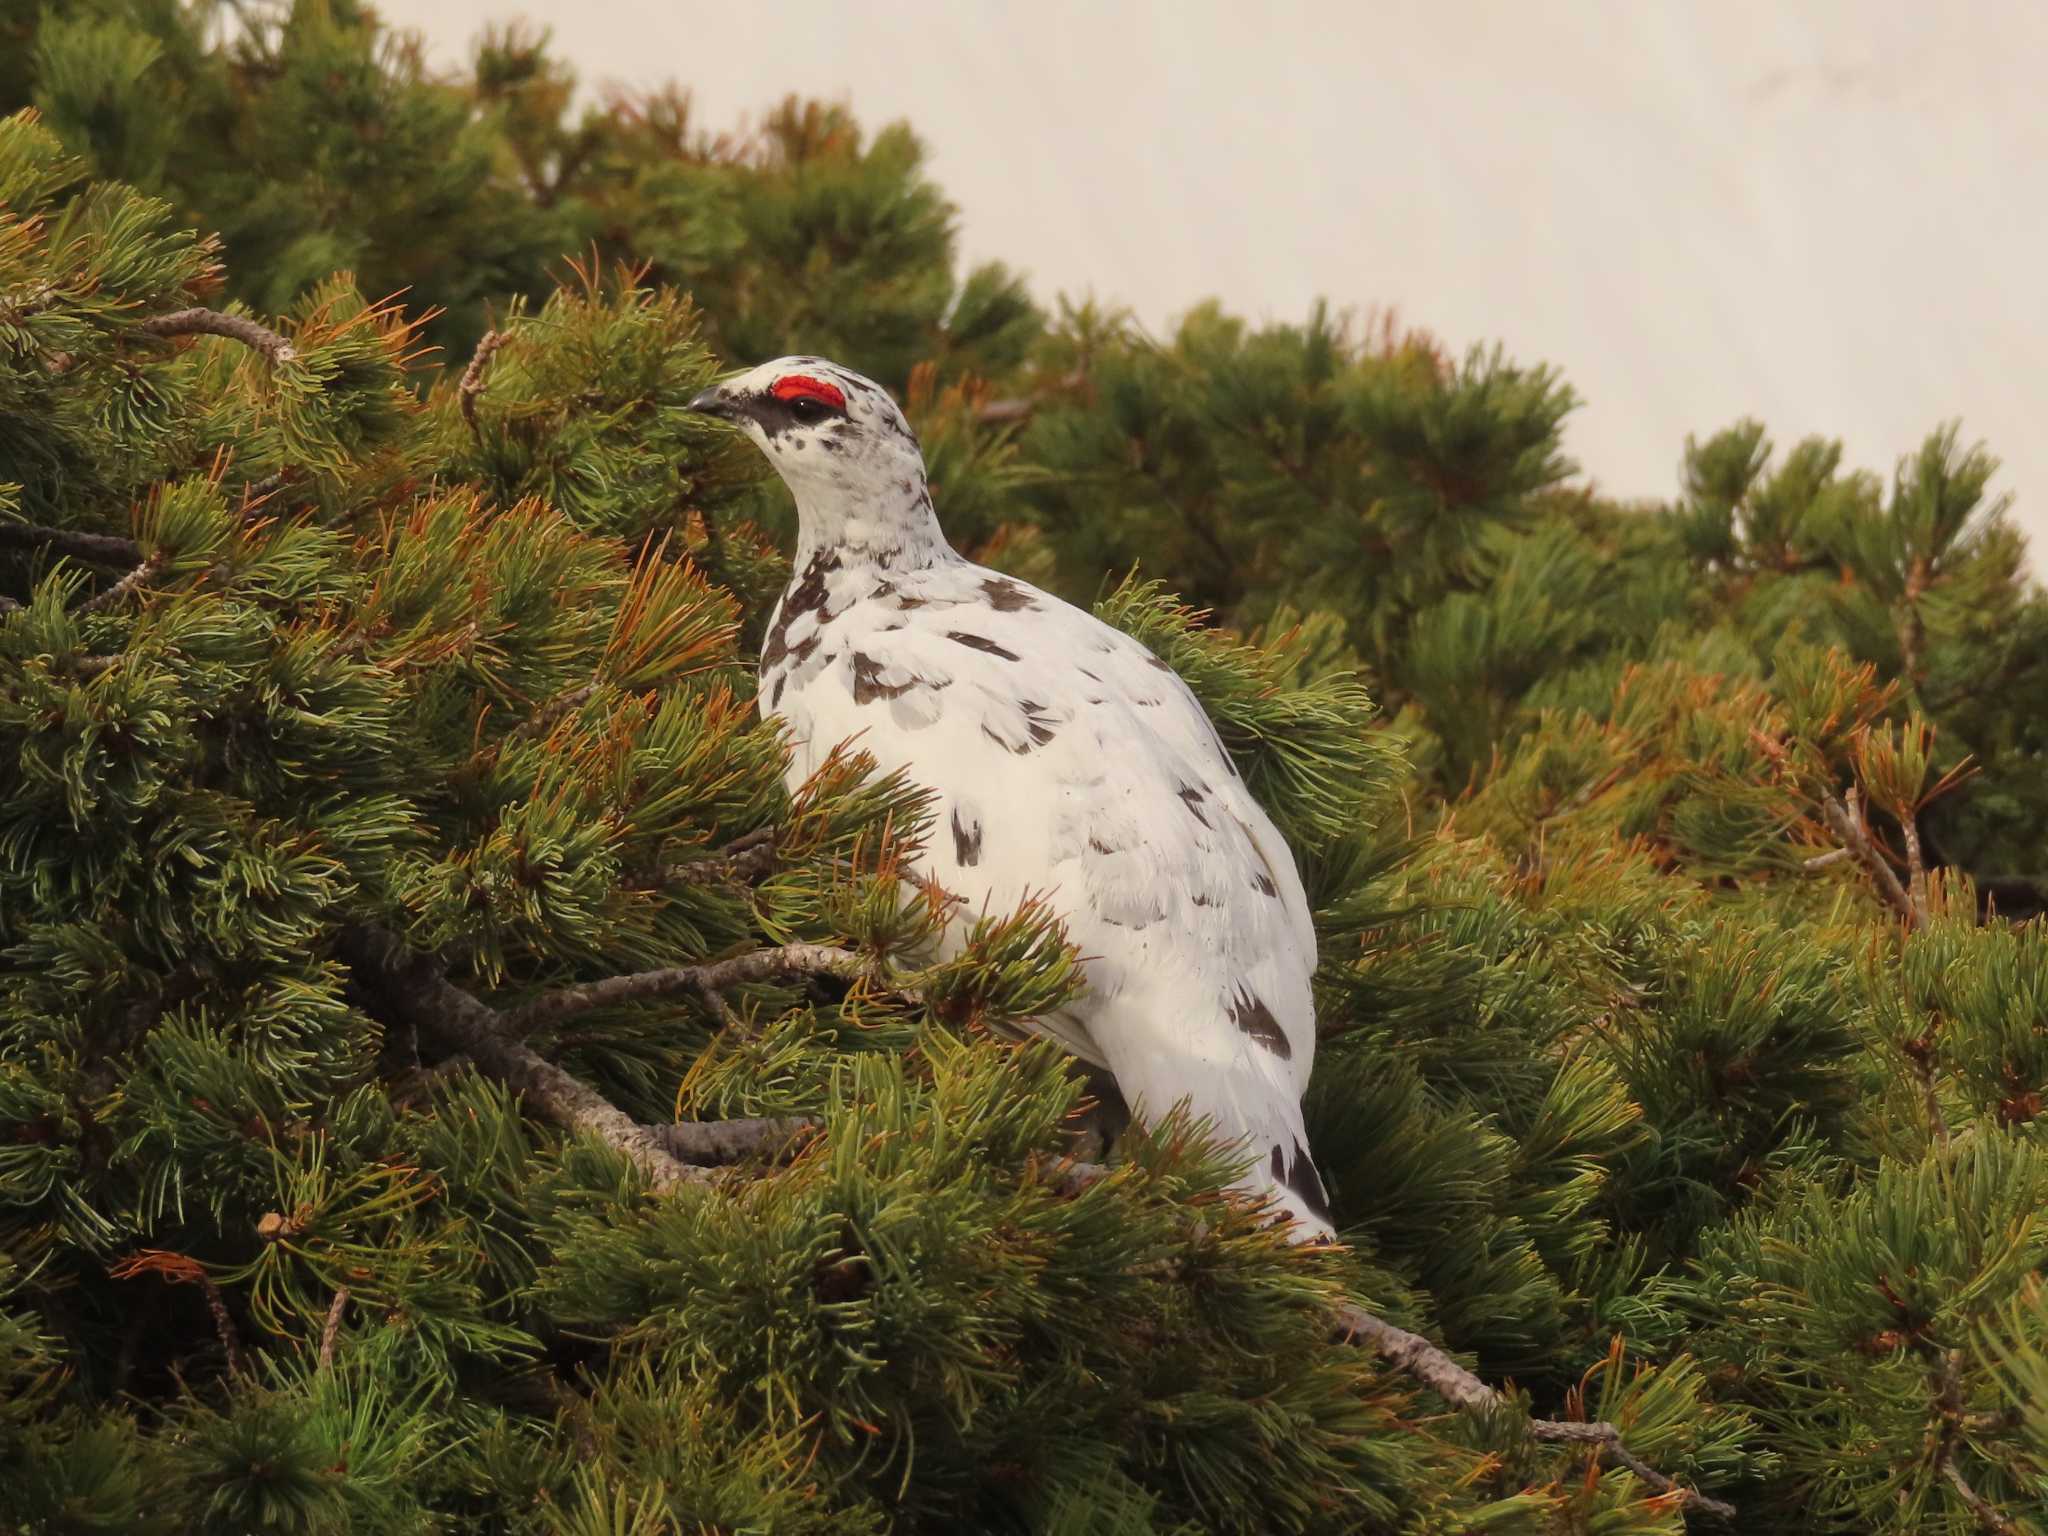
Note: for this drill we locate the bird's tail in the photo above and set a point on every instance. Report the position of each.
(1240, 1097)
(1288, 1178)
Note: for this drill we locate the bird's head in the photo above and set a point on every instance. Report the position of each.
(836, 438)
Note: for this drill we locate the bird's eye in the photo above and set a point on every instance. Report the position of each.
(807, 410)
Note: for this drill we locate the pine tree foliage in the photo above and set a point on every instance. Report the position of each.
(303, 657)
(447, 1083)
(315, 140)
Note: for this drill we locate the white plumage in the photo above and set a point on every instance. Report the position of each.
(1067, 760)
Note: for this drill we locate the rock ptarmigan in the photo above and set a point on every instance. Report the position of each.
(1065, 758)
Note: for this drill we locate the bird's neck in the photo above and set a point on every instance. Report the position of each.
(893, 527)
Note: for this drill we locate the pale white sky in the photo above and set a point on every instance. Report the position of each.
(1831, 215)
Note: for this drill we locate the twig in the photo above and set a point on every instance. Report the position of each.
(1000, 413)
(333, 1329)
(416, 992)
(151, 564)
(1417, 1357)
(1844, 817)
(740, 862)
(223, 1325)
(1948, 1402)
(99, 548)
(713, 1143)
(1414, 1355)
(473, 377)
(1823, 860)
(545, 717)
(182, 1269)
(211, 322)
(1608, 1438)
(783, 963)
(1911, 629)
(1981, 1507)
(1937, 1123)
(269, 485)
(1916, 863)
(715, 1004)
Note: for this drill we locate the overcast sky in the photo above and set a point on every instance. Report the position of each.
(1832, 215)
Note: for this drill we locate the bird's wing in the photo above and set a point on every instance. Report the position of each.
(1069, 762)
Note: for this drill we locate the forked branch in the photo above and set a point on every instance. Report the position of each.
(1844, 816)
(786, 962)
(414, 990)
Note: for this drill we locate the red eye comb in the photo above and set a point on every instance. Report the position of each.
(802, 386)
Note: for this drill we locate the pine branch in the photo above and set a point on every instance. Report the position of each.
(182, 1269)
(1981, 1507)
(787, 962)
(473, 383)
(1916, 863)
(151, 564)
(99, 548)
(332, 1331)
(1608, 1438)
(742, 861)
(714, 1143)
(269, 485)
(1948, 1403)
(1002, 413)
(414, 990)
(211, 322)
(1844, 816)
(1417, 1357)
(1912, 630)
(224, 1325)
(543, 719)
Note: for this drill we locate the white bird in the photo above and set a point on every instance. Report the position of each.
(1065, 758)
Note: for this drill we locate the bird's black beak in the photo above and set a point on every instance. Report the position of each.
(713, 402)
